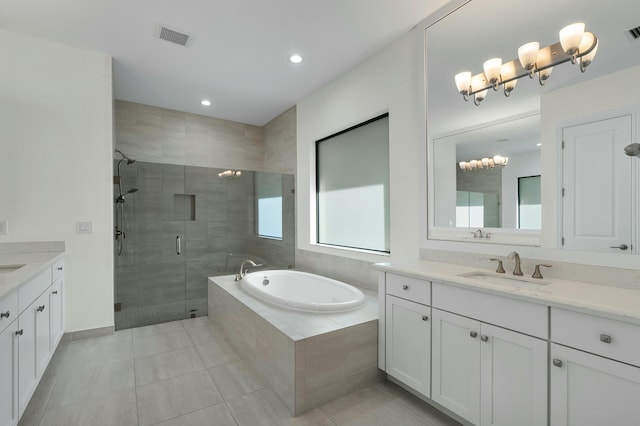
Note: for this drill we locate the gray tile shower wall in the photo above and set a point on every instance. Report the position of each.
(215, 220)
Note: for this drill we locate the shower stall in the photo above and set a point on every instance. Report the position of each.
(177, 225)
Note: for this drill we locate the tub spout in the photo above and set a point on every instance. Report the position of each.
(244, 270)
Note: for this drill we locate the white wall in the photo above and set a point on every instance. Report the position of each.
(55, 165)
(385, 82)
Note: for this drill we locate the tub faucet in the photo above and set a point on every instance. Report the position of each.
(244, 270)
(516, 269)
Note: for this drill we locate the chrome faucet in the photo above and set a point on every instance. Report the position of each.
(516, 269)
(244, 270)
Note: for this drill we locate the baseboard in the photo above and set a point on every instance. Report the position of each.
(87, 334)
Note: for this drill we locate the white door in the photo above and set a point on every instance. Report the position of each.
(513, 378)
(43, 333)
(408, 338)
(27, 373)
(8, 379)
(596, 179)
(589, 390)
(55, 313)
(456, 364)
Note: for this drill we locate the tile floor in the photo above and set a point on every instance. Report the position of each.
(186, 373)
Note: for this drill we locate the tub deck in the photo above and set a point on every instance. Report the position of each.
(308, 359)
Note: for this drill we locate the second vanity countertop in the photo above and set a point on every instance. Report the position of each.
(34, 263)
(606, 301)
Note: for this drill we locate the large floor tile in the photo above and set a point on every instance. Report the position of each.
(114, 410)
(166, 365)
(174, 397)
(86, 383)
(38, 403)
(217, 353)
(218, 415)
(152, 330)
(264, 408)
(98, 351)
(236, 379)
(159, 343)
(205, 334)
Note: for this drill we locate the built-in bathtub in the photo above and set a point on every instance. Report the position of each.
(307, 358)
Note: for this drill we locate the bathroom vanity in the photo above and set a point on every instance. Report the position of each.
(494, 349)
(31, 325)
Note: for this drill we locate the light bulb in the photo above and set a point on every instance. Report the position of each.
(585, 44)
(528, 54)
(462, 165)
(492, 69)
(463, 81)
(571, 37)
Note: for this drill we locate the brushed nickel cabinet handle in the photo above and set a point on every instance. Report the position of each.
(405, 287)
(557, 362)
(425, 318)
(484, 338)
(5, 314)
(19, 332)
(605, 338)
(473, 334)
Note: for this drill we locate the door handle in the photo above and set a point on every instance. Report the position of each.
(178, 249)
(621, 247)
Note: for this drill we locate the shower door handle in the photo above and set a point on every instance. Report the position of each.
(178, 250)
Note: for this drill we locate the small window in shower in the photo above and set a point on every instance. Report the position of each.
(268, 188)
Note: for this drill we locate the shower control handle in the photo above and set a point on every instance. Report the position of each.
(178, 249)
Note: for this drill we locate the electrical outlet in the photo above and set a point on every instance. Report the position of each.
(84, 227)
(4, 227)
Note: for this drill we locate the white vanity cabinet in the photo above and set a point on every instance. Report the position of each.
(27, 342)
(482, 371)
(595, 370)
(408, 331)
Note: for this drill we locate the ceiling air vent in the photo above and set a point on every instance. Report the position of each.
(173, 36)
(635, 33)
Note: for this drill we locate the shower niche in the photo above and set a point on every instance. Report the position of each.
(185, 224)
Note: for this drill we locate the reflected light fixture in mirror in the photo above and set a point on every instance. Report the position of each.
(575, 45)
(483, 163)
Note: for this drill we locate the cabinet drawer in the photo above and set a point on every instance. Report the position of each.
(602, 336)
(517, 315)
(409, 288)
(30, 291)
(8, 309)
(57, 270)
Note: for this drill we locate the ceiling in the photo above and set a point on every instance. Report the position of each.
(238, 51)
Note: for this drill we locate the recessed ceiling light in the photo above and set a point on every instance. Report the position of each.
(206, 102)
(539, 144)
(296, 59)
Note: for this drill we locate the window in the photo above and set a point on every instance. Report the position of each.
(352, 187)
(268, 187)
(529, 204)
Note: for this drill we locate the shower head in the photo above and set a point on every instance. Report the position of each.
(125, 157)
(632, 150)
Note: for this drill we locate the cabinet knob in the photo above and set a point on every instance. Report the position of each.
(605, 338)
(405, 287)
(484, 338)
(54, 292)
(59, 268)
(19, 332)
(5, 314)
(40, 308)
(473, 334)
(557, 362)
(425, 318)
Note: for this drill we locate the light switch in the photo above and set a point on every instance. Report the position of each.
(4, 227)
(84, 227)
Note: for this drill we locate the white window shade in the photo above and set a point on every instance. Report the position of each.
(352, 175)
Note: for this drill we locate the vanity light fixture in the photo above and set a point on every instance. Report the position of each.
(576, 45)
(483, 163)
(230, 174)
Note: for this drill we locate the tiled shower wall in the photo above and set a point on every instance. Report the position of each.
(215, 220)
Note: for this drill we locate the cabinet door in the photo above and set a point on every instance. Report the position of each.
(408, 337)
(43, 333)
(27, 372)
(456, 364)
(56, 313)
(589, 390)
(513, 378)
(8, 376)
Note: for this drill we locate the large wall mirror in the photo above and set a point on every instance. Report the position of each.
(468, 191)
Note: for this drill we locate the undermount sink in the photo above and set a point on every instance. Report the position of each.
(495, 278)
(7, 269)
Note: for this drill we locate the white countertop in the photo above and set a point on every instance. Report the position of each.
(606, 301)
(34, 263)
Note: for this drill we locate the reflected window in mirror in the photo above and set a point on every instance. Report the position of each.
(529, 203)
